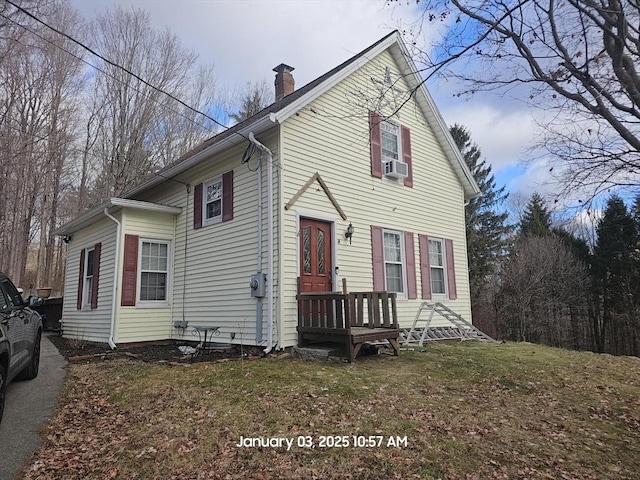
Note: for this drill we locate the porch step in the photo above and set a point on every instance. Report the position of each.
(318, 353)
(458, 329)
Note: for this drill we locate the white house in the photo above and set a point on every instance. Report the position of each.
(266, 204)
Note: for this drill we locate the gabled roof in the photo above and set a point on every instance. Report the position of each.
(279, 111)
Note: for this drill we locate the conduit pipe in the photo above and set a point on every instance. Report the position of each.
(270, 304)
(115, 276)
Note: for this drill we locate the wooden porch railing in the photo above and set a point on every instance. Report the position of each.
(340, 311)
(352, 318)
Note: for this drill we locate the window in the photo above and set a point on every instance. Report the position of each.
(13, 298)
(393, 262)
(390, 140)
(4, 302)
(89, 265)
(89, 277)
(390, 150)
(436, 264)
(212, 199)
(154, 263)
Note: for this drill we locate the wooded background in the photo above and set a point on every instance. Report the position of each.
(77, 128)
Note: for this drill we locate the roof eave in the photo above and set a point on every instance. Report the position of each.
(259, 126)
(112, 205)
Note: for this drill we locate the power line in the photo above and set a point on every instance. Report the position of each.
(204, 127)
(124, 69)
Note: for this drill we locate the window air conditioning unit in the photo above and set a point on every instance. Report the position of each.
(396, 169)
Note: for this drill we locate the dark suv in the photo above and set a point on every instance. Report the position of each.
(20, 333)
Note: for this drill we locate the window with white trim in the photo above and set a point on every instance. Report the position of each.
(89, 266)
(154, 271)
(394, 268)
(436, 264)
(212, 201)
(390, 141)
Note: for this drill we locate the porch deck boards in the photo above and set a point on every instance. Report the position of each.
(352, 319)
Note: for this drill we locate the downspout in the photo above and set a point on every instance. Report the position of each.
(270, 319)
(259, 256)
(115, 276)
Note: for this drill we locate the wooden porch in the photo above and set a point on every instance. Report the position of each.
(352, 319)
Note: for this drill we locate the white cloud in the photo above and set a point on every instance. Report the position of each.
(503, 136)
(245, 39)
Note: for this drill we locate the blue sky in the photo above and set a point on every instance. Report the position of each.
(245, 39)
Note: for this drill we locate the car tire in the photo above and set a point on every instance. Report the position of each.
(31, 371)
(3, 388)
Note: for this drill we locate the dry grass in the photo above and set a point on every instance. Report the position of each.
(469, 411)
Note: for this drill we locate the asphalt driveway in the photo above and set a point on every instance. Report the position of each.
(29, 404)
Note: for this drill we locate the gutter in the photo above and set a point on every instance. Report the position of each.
(270, 310)
(116, 262)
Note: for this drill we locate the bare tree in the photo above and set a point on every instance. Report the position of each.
(40, 80)
(63, 86)
(576, 59)
(543, 293)
(129, 116)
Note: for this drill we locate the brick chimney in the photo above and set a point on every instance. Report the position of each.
(285, 85)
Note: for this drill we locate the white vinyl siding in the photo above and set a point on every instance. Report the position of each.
(331, 137)
(87, 324)
(210, 286)
(147, 320)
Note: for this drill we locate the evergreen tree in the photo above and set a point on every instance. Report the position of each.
(486, 226)
(577, 245)
(616, 273)
(536, 220)
(251, 100)
(636, 212)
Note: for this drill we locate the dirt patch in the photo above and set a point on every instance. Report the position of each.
(75, 351)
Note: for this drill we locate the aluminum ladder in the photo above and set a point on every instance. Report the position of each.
(459, 329)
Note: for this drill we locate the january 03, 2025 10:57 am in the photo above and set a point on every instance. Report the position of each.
(324, 441)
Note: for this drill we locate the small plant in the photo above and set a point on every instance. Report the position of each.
(77, 343)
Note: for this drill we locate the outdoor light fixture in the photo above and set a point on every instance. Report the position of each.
(349, 233)
(66, 238)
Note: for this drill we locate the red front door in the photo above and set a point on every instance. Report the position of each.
(315, 256)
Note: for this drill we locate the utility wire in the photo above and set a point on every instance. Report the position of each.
(144, 94)
(124, 69)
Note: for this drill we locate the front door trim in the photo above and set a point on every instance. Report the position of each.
(331, 219)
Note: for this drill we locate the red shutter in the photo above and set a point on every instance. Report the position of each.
(227, 195)
(410, 256)
(130, 271)
(81, 280)
(451, 269)
(96, 275)
(406, 156)
(425, 272)
(376, 145)
(197, 206)
(377, 257)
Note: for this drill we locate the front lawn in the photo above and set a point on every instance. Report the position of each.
(466, 411)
